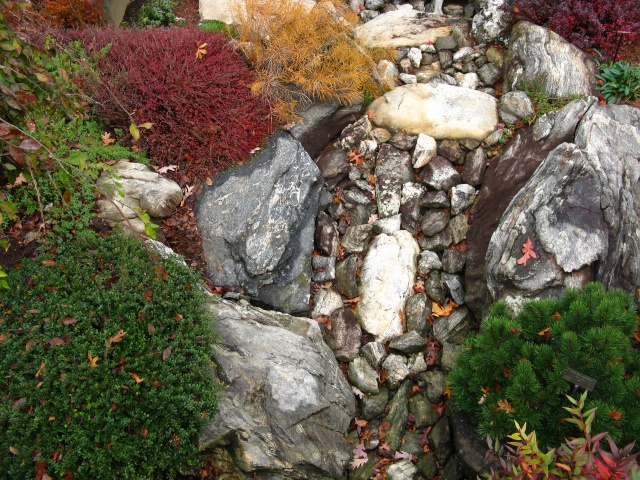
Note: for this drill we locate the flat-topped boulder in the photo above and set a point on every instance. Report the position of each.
(438, 110)
(405, 28)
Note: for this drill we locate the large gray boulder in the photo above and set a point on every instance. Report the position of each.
(579, 209)
(405, 28)
(438, 110)
(387, 276)
(231, 11)
(504, 178)
(257, 225)
(538, 55)
(287, 406)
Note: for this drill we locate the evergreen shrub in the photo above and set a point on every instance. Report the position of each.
(513, 368)
(189, 84)
(588, 24)
(104, 352)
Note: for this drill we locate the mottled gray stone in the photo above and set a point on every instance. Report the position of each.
(452, 151)
(453, 469)
(515, 106)
(373, 405)
(474, 165)
(374, 352)
(446, 43)
(445, 57)
(355, 133)
(428, 261)
(416, 311)
(452, 328)
(440, 174)
(257, 225)
(425, 150)
(402, 141)
(388, 225)
(434, 221)
(436, 200)
(490, 74)
(421, 408)
(334, 166)
(435, 384)
(265, 419)
(450, 351)
(324, 269)
(433, 287)
(410, 342)
(453, 283)
(397, 417)
(437, 242)
(427, 465)
(440, 440)
(453, 261)
(356, 238)
(344, 336)
(458, 226)
(346, 278)
(462, 197)
(397, 369)
(402, 470)
(410, 206)
(393, 169)
(363, 376)
(326, 301)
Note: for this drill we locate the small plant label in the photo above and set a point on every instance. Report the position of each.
(579, 379)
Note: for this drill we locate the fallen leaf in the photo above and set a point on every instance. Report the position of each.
(106, 139)
(359, 451)
(418, 287)
(40, 371)
(144, 432)
(423, 439)
(357, 463)
(616, 415)
(372, 218)
(415, 388)
(355, 156)
(546, 333)
(93, 361)
(48, 263)
(166, 352)
(137, 378)
(14, 450)
(69, 321)
(208, 181)
(116, 338)
(56, 342)
(19, 402)
(201, 52)
(527, 249)
(438, 310)
(505, 406)
(148, 295)
(447, 390)
(403, 456)
(371, 179)
(556, 316)
(439, 408)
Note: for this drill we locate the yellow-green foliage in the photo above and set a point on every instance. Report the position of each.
(309, 49)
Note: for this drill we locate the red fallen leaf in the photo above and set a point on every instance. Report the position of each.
(439, 408)
(616, 415)
(111, 281)
(144, 432)
(148, 295)
(527, 249)
(69, 476)
(166, 352)
(56, 342)
(355, 156)
(48, 263)
(506, 372)
(415, 388)
(371, 180)
(41, 470)
(546, 333)
(556, 316)
(636, 335)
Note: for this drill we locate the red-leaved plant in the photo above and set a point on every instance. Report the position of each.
(579, 458)
(588, 24)
(189, 85)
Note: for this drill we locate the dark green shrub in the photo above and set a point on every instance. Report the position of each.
(158, 13)
(105, 351)
(619, 81)
(513, 368)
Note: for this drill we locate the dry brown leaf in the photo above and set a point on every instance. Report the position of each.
(137, 377)
(93, 361)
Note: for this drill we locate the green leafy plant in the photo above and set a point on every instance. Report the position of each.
(218, 27)
(581, 457)
(158, 13)
(619, 81)
(105, 351)
(514, 368)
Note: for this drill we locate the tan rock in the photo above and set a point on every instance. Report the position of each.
(440, 111)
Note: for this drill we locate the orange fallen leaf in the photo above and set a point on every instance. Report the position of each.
(106, 139)
(447, 391)
(546, 333)
(527, 249)
(137, 377)
(48, 263)
(93, 361)
(505, 406)
(56, 342)
(439, 408)
(438, 310)
(415, 388)
(616, 415)
(117, 337)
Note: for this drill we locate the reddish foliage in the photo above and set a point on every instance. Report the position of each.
(73, 13)
(202, 110)
(588, 24)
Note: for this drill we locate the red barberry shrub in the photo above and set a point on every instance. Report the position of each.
(588, 24)
(190, 85)
(72, 13)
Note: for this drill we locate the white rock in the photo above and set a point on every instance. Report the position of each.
(490, 22)
(426, 148)
(408, 79)
(387, 275)
(462, 54)
(402, 28)
(415, 55)
(227, 10)
(326, 301)
(470, 80)
(441, 111)
(387, 73)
